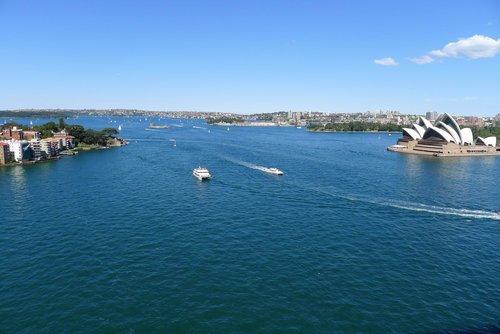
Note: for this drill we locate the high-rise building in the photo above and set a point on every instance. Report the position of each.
(431, 115)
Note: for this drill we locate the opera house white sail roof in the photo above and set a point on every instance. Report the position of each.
(488, 141)
(445, 129)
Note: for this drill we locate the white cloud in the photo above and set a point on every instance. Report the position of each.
(388, 61)
(422, 60)
(475, 47)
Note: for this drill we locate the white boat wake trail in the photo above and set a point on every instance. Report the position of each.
(466, 213)
(403, 205)
(245, 164)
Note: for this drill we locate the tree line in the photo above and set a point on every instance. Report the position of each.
(487, 131)
(355, 126)
(223, 119)
(82, 135)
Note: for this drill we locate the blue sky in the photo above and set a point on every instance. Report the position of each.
(251, 56)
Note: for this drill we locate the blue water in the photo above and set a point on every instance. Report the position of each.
(351, 239)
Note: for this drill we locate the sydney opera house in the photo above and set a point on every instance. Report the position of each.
(443, 138)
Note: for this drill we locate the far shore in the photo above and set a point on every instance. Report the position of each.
(367, 131)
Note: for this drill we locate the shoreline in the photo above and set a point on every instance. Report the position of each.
(66, 153)
(441, 155)
(251, 124)
(367, 131)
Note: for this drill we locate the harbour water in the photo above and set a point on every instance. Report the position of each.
(351, 239)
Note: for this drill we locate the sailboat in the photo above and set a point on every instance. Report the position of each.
(120, 127)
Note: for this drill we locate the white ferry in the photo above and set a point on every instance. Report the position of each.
(273, 170)
(202, 173)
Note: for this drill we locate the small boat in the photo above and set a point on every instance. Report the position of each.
(156, 126)
(202, 173)
(273, 170)
(119, 127)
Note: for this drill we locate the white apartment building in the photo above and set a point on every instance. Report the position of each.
(16, 147)
(36, 148)
(48, 147)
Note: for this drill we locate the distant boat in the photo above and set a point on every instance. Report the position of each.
(273, 170)
(227, 129)
(156, 126)
(120, 127)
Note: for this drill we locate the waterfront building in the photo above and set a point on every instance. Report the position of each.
(48, 147)
(36, 149)
(66, 141)
(444, 137)
(4, 153)
(20, 150)
(16, 148)
(13, 133)
(488, 141)
(30, 135)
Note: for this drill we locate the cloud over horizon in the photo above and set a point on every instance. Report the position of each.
(387, 61)
(474, 47)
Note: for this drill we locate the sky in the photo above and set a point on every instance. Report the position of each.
(252, 56)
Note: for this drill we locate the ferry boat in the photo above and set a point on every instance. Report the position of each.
(202, 173)
(273, 170)
(155, 126)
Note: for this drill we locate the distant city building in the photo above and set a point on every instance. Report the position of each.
(431, 115)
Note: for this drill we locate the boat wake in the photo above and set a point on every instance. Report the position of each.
(156, 130)
(410, 206)
(466, 213)
(246, 164)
